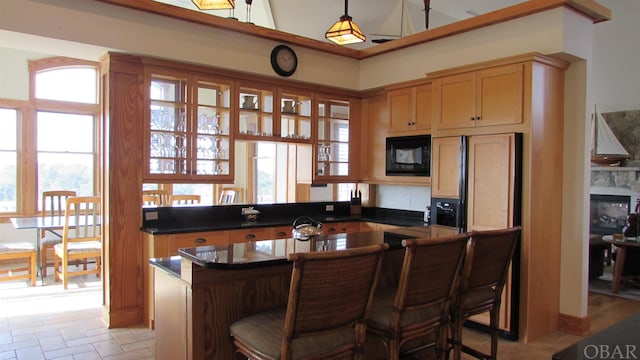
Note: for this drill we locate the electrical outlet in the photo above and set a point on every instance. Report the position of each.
(151, 215)
(329, 207)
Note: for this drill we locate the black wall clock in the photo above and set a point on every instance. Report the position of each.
(284, 60)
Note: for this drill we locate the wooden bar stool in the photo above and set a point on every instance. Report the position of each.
(326, 315)
(486, 266)
(420, 304)
(19, 251)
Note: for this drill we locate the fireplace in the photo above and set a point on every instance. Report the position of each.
(608, 213)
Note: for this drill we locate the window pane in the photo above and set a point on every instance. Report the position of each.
(8, 160)
(65, 132)
(204, 190)
(73, 84)
(265, 173)
(8, 135)
(60, 171)
(8, 183)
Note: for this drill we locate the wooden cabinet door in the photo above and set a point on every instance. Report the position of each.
(423, 105)
(445, 167)
(410, 109)
(173, 318)
(500, 95)
(401, 117)
(376, 132)
(455, 101)
(189, 240)
(342, 227)
(490, 181)
(265, 233)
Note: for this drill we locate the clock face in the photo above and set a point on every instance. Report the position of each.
(284, 60)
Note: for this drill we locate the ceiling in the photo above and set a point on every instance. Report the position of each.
(378, 19)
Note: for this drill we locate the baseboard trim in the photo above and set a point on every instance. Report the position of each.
(574, 325)
(122, 317)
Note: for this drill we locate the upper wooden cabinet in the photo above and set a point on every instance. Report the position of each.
(445, 167)
(189, 122)
(410, 109)
(492, 96)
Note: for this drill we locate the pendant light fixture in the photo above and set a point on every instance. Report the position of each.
(345, 31)
(214, 4)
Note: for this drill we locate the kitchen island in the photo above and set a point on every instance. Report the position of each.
(199, 293)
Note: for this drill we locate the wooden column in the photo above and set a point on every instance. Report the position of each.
(122, 148)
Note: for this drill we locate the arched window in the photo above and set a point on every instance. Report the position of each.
(65, 93)
(50, 141)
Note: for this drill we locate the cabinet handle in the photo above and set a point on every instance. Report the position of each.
(250, 236)
(281, 233)
(472, 118)
(200, 240)
(409, 123)
(331, 230)
(477, 117)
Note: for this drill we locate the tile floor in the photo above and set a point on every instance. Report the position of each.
(47, 322)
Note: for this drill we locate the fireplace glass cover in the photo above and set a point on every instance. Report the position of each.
(608, 213)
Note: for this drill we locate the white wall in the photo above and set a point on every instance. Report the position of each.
(9, 234)
(403, 197)
(615, 84)
(109, 27)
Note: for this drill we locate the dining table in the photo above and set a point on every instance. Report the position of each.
(52, 224)
(622, 244)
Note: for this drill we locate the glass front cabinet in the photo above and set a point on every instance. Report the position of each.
(193, 121)
(295, 116)
(332, 150)
(189, 130)
(256, 120)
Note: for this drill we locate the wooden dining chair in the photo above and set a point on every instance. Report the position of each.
(53, 205)
(484, 273)
(81, 238)
(15, 254)
(227, 196)
(162, 194)
(329, 302)
(185, 199)
(420, 304)
(150, 200)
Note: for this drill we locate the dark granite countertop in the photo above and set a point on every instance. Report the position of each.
(174, 220)
(262, 253)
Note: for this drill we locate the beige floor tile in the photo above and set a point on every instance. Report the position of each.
(47, 322)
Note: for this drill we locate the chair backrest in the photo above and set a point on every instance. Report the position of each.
(82, 220)
(54, 202)
(164, 195)
(429, 276)
(185, 199)
(227, 196)
(331, 291)
(489, 254)
(150, 200)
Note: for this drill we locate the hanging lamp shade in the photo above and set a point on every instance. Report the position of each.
(345, 31)
(214, 4)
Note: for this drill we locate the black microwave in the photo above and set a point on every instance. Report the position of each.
(408, 155)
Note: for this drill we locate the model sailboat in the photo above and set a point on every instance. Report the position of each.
(606, 150)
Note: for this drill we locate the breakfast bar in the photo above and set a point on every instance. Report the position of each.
(200, 292)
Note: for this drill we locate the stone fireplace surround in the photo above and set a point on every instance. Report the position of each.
(623, 180)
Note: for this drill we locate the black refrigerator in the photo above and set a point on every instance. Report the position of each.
(490, 196)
